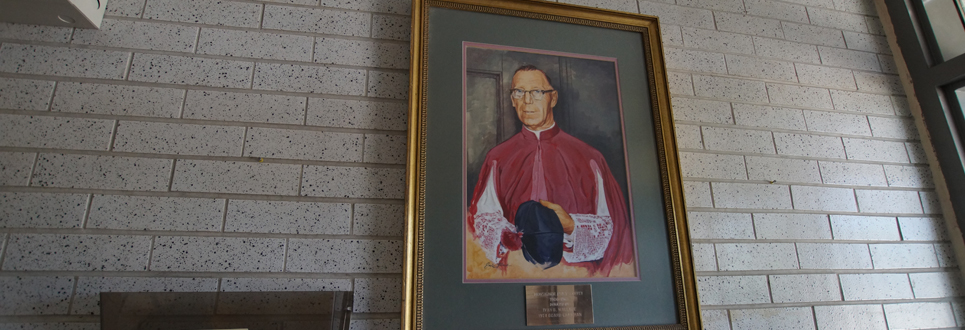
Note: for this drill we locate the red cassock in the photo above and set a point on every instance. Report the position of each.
(556, 167)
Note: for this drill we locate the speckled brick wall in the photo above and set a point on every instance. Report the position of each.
(129, 160)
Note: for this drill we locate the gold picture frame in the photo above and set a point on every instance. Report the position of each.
(431, 269)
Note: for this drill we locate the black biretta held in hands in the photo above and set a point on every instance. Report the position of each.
(542, 234)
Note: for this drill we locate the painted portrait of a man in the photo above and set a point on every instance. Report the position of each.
(546, 180)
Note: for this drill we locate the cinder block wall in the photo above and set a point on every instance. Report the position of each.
(131, 160)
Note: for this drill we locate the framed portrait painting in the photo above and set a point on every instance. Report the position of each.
(543, 189)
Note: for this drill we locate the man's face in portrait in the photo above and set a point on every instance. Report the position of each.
(534, 99)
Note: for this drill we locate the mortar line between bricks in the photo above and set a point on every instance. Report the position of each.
(883, 312)
(224, 216)
(130, 67)
(143, 10)
(305, 114)
(244, 143)
(73, 295)
(250, 29)
(301, 177)
(219, 288)
(116, 82)
(261, 16)
(795, 157)
(53, 93)
(33, 168)
(150, 253)
(899, 271)
(792, 107)
(284, 257)
(87, 208)
(280, 161)
(193, 56)
(295, 127)
(206, 195)
(251, 78)
(811, 184)
(184, 104)
(189, 274)
(4, 245)
(110, 144)
(208, 234)
(174, 166)
(827, 303)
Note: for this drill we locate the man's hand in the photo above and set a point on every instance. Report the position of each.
(565, 218)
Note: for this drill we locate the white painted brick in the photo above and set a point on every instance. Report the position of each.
(812, 97)
(714, 225)
(897, 128)
(729, 290)
(309, 79)
(901, 105)
(924, 315)
(874, 25)
(916, 152)
(191, 71)
(680, 83)
(791, 226)
(344, 256)
(887, 62)
(855, 6)
(694, 60)
(878, 83)
(55, 252)
(671, 36)
(853, 174)
(218, 254)
(838, 123)
(684, 16)
(155, 213)
(139, 35)
(701, 165)
(825, 77)
(805, 288)
(809, 145)
(707, 111)
(888, 201)
(386, 6)
(391, 27)
(853, 227)
(362, 53)
(714, 319)
(384, 148)
(688, 137)
(87, 298)
(936, 285)
(297, 2)
(729, 139)
(837, 19)
(875, 150)
(717, 41)
(236, 177)
(388, 85)
(862, 102)
(379, 219)
(756, 256)
(230, 13)
(744, 24)
(118, 100)
(285, 284)
(867, 42)
(851, 59)
(273, 46)
(922, 229)
(55, 132)
(705, 259)
(892, 256)
(38, 210)
(35, 295)
(288, 217)
(833, 256)
(15, 168)
(768, 117)
(849, 317)
(823, 199)
(125, 8)
(909, 176)
(875, 286)
(60, 61)
(25, 94)
(754, 196)
(248, 107)
(180, 139)
(786, 50)
(736, 6)
(760, 68)
(946, 255)
(296, 144)
(357, 114)
(929, 202)
(790, 318)
(360, 182)
(101, 172)
(317, 20)
(782, 169)
(377, 295)
(18, 31)
(697, 194)
(957, 309)
(814, 35)
(776, 10)
(813, 3)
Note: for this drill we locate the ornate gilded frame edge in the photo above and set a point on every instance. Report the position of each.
(648, 26)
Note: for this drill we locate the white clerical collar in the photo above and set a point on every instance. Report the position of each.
(537, 132)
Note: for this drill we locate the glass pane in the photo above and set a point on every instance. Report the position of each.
(945, 17)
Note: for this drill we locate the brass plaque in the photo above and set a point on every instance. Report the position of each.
(559, 304)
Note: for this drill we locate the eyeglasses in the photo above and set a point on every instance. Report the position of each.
(536, 93)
